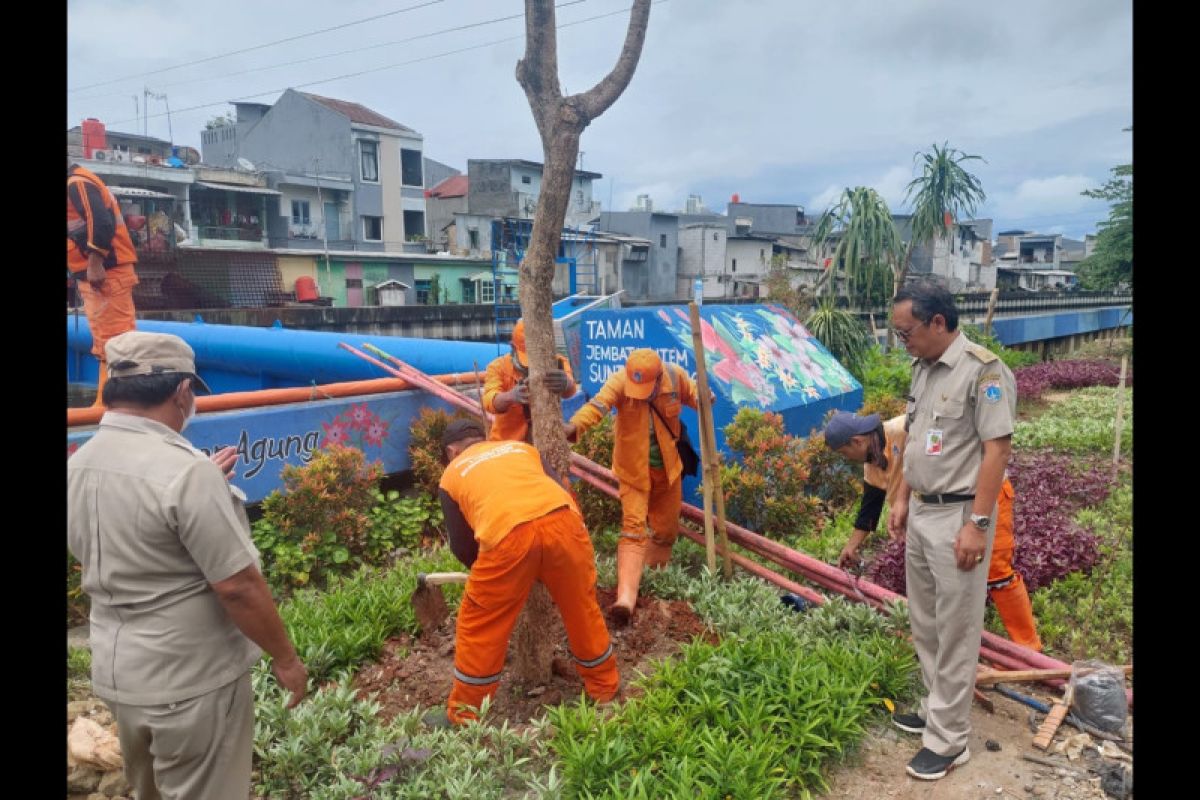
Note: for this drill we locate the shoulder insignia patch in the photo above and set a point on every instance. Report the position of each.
(982, 353)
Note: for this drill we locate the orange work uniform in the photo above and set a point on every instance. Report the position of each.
(502, 375)
(527, 527)
(95, 225)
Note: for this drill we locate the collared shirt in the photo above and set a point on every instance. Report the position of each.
(154, 523)
(964, 398)
(888, 479)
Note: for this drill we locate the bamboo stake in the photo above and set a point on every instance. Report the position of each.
(487, 420)
(987, 325)
(707, 433)
(1120, 417)
(706, 474)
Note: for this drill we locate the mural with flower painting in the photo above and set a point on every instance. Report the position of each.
(761, 355)
(357, 426)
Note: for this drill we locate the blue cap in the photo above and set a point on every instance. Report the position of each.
(843, 425)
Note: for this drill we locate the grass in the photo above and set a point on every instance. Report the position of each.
(1081, 423)
(79, 672)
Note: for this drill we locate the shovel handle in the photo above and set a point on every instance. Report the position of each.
(439, 578)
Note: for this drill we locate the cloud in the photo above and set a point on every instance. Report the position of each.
(1056, 194)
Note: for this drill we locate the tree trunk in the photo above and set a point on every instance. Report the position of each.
(560, 121)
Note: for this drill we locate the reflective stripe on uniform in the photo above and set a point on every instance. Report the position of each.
(1000, 584)
(634, 536)
(465, 678)
(595, 662)
(603, 408)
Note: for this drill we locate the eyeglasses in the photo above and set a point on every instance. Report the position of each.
(903, 335)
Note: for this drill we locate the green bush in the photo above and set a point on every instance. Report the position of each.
(348, 624)
(600, 512)
(1082, 423)
(756, 715)
(1011, 358)
(79, 607)
(334, 746)
(79, 672)
(425, 447)
(884, 375)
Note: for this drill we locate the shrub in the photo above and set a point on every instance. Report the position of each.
(600, 512)
(425, 447)
(768, 491)
(885, 375)
(1013, 359)
(78, 605)
(1034, 381)
(885, 406)
(79, 672)
(321, 522)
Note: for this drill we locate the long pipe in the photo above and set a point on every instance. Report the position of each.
(995, 648)
(230, 401)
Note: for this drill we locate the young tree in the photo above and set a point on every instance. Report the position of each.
(561, 120)
(1111, 262)
(867, 248)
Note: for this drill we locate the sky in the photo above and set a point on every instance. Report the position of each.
(778, 101)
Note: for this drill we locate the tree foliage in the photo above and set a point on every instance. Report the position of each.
(1111, 263)
(865, 245)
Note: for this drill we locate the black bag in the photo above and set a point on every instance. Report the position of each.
(683, 444)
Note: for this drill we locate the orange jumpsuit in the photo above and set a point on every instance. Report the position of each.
(648, 494)
(502, 375)
(527, 527)
(95, 224)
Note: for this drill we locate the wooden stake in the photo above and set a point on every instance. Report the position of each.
(1120, 417)
(487, 420)
(987, 325)
(990, 677)
(708, 438)
(706, 475)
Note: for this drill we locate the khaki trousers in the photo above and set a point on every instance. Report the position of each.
(196, 749)
(946, 611)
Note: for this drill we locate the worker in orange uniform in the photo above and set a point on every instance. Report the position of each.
(647, 396)
(512, 523)
(100, 258)
(879, 447)
(506, 392)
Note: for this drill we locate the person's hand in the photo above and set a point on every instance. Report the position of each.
(849, 556)
(557, 381)
(292, 676)
(898, 521)
(570, 431)
(95, 270)
(225, 458)
(969, 547)
(519, 394)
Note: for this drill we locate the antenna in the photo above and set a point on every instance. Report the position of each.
(245, 164)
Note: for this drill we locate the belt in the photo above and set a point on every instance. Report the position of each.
(942, 499)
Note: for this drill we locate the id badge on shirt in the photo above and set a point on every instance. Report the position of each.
(933, 442)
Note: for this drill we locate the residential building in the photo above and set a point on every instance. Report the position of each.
(500, 188)
(643, 203)
(442, 203)
(702, 250)
(656, 278)
(1035, 261)
(348, 176)
(694, 205)
(956, 259)
(776, 220)
(126, 147)
(436, 172)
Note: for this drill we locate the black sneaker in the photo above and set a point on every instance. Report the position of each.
(910, 723)
(929, 766)
(437, 719)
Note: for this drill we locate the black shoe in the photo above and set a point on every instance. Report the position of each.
(437, 719)
(929, 766)
(910, 723)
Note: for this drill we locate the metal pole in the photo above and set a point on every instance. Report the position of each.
(324, 226)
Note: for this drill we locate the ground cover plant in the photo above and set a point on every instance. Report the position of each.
(1034, 381)
(1081, 423)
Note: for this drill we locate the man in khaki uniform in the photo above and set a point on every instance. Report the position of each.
(961, 408)
(179, 608)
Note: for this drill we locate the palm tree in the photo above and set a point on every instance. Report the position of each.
(867, 248)
(943, 192)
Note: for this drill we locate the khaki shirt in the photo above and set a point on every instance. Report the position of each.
(889, 479)
(154, 523)
(965, 398)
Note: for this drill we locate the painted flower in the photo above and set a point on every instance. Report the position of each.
(376, 432)
(335, 433)
(360, 416)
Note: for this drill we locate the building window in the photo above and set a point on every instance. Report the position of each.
(300, 214)
(410, 168)
(473, 238)
(662, 240)
(762, 256)
(487, 291)
(353, 283)
(468, 292)
(373, 229)
(735, 265)
(714, 236)
(414, 226)
(423, 292)
(369, 154)
(526, 179)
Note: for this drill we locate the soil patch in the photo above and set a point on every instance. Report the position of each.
(412, 672)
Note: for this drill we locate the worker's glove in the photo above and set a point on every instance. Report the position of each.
(520, 393)
(557, 381)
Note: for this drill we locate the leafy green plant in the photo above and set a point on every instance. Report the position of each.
(842, 332)
(79, 671)
(349, 623)
(399, 522)
(425, 447)
(1082, 423)
(600, 512)
(884, 374)
(1013, 359)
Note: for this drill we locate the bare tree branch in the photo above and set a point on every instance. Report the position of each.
(537, 72)
(595, 101)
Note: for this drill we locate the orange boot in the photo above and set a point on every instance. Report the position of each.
(100, 381)
(631, 555)
(658, 553)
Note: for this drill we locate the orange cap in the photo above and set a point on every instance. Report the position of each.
(518, 341)
(642, 368)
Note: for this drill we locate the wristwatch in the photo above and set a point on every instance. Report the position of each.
(981, 521)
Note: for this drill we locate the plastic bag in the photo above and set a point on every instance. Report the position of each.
(1099, 695)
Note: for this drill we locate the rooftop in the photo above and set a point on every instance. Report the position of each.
(358, 113)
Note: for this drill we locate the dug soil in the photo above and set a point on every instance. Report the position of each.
(418, 672)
